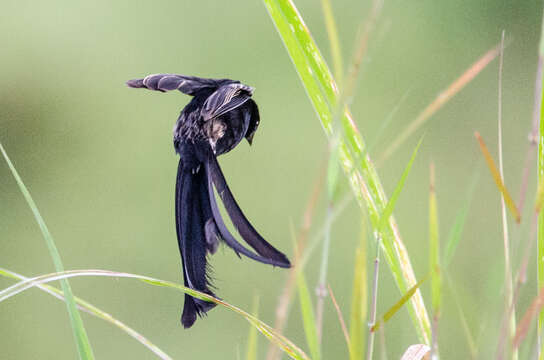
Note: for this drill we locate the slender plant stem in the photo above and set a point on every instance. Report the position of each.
(284, 301)
(81, 339)
(434, 261)
(533, 135)
(94, 311)
(506, 242)
(521, 278)
(333, 41)
(340, 316)
(383, 346)
(374, 304)
(540, 173)
(321, 289)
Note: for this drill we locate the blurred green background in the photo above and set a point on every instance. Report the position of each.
(99, 161)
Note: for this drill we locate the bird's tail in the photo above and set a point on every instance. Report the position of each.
(192, 212)
(266, 253)
(200, 227)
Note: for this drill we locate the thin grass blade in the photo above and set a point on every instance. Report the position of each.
(468, 334)
(339, 314)
(498, 180)
(434, 246)
(398, 189)
(359, 302)
(334, 42)
(441, 99)
(308, 317)
(93, 310)
(539, 196)
(540, 171)
(434, 261)
(251, 353)
(398, 305)
(357, 165)
(285, 299)
(456, 230)
(83, 345)
(286, 345)
(525, 322)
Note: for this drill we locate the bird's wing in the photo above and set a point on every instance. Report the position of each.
(254, 121)
(189, 85)
(224, 99)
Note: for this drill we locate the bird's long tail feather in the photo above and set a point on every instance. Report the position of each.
(268, 254)
(190, 226)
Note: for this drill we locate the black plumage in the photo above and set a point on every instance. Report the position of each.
(220, 114)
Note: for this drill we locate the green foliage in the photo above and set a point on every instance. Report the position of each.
(308, 317)
(83, 345)
(366, 186)
(95, 311)
(359, 301)
(251, 353)
(398, 305)
(434, 249)
(456, 230)
(287, 346)
(398, 189)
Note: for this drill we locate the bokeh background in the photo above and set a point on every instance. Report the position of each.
(99, 161)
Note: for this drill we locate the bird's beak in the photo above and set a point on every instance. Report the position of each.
(250, 139)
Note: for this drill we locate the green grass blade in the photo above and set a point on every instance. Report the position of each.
(340, 316)
(498, 179)
(398, 305)
(359, 299)
(308, 317)
(462, 317)
(281, 341)
(456, 230)
(539, 195)
(398, 189)
(357, 165)
(80, 335)
(95, 311)
(441, 99)
(434, 247)
(333, 171)
(434, 261)
(540, 171)
(251, 353)
(334, 42)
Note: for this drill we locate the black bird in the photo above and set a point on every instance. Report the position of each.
(220, 114)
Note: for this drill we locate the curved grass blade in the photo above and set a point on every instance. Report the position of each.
(457, 229)
(357, 165)
(540, 172)
(308, 317)
(333, 39)
(396, 193)
(251, 353)
(498, 180)
(539, 196)
(340, 316)
(441, 99)
(434, 261)
(398, 305)
(92, 310)
(286, 345)
(359, 299)
(83, 345)
(530, 314)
